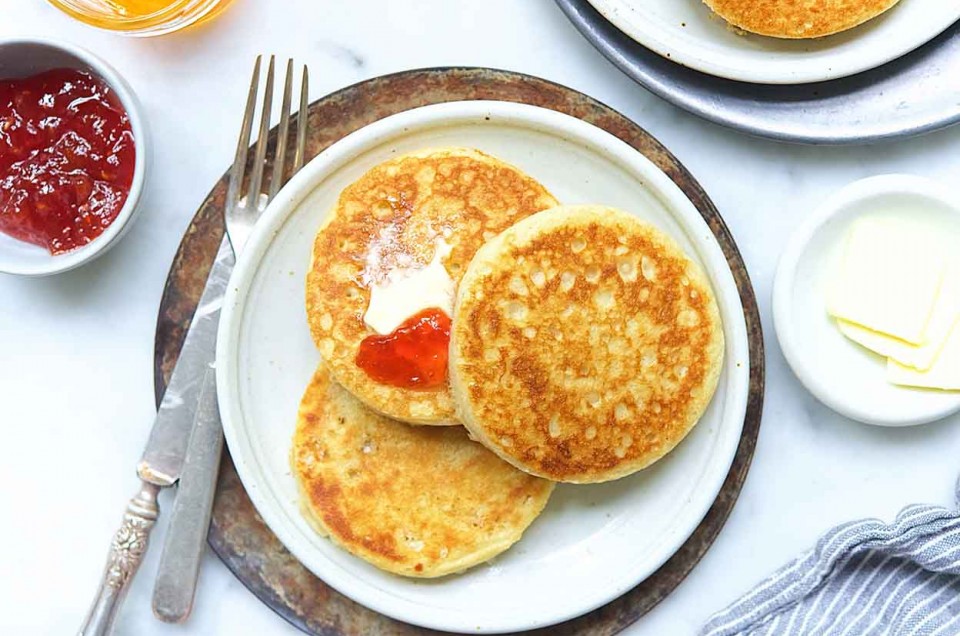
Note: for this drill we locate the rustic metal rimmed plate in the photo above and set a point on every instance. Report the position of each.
(237, 533)
(689, 33)
(914, 94)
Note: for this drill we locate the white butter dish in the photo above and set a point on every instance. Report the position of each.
(843, 375)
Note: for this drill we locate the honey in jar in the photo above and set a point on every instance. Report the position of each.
(141, 17)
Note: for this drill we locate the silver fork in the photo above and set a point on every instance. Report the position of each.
(186, 439)
(240, 214)
(180, 562)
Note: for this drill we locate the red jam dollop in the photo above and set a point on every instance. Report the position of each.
(67, 157)
(414, 356)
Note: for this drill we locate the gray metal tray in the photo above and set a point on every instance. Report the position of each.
(917, 93)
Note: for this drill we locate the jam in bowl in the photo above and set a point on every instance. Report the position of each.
(71, 157)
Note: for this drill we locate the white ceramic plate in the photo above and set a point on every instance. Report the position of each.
(689, 33)
(593, 543)
(841, 374)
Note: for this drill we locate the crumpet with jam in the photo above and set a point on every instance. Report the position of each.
(386, 264)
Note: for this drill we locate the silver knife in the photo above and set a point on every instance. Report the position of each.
(163, 458)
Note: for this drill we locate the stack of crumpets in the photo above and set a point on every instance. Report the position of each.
(573, 343)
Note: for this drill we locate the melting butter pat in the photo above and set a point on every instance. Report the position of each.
(406, 291)
(890, 276)
(944, 374)
(946, 312)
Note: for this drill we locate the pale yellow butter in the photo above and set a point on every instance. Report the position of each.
(407, 291)
(889, 278)
(944, 374)
(946, 312)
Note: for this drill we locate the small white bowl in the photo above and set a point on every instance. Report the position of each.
(838, 372)
(26, 57)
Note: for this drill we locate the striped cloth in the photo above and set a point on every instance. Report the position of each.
(864, 577)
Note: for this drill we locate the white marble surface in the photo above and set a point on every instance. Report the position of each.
(76, 386)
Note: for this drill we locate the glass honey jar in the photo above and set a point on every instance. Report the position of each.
(141, 17)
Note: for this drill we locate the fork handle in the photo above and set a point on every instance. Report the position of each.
(190, 520)
(126, 553)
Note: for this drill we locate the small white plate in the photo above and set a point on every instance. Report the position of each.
(592, 543)
(689, 33)
(838, 372)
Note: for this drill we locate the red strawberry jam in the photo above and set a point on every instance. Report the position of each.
(67, 158)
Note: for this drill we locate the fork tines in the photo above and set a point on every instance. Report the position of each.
(256, 196)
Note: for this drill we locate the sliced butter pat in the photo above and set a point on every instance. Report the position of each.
(946, 311)
(944, 374)
(889, 278)
(407, 291)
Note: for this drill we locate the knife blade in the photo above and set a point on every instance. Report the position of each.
(162, 461)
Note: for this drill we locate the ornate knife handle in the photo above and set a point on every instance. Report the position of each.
(126, 553)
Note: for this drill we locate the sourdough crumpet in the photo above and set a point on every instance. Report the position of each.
(585, 344)
(413, 500)
(424, 210)
(797, 19)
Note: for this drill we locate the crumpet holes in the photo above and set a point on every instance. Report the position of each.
(592, 275)
(604, 299)
(554, 427)
(518, 287)
(516, 311)
(627, 270)
(567, 279)
(621, 412)
(688, 318)
(648, 268)
(538, 277)
(591, 432)
(578, 244)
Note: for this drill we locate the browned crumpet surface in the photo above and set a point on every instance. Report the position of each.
(393, 217)
(798, 18)
(413, 500)
(585, 344)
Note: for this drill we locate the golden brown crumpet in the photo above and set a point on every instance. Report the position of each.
(396, 215)
(585, 344)
(796, 19)
(413, 500)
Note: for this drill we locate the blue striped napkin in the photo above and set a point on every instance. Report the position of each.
(863, 577)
